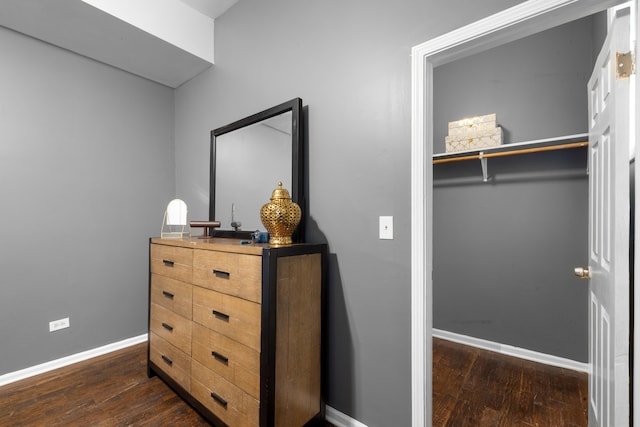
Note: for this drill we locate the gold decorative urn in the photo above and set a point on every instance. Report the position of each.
(280, 216)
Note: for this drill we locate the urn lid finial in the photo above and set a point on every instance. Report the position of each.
(280, 193)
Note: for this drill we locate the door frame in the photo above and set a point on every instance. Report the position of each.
(524, 19)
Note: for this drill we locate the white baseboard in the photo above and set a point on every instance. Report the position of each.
(69, 360)
(339, 419)
(509, 350)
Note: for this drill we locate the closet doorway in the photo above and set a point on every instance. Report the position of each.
(504, 249)
(518, 22)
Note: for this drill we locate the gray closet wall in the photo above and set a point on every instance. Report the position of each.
(504, 250)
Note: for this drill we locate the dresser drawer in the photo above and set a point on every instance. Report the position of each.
(173, 294)
(233, 406)
(172, 361)
(172, 327)
(172, 261)
(234, 274)
(236, 318)
(237, 363)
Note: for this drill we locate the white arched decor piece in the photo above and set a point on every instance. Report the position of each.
(519, 21)
(174, 224)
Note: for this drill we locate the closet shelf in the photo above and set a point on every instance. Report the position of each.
(550, 144)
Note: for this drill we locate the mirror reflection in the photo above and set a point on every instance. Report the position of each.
(248, 159)
(249, 163)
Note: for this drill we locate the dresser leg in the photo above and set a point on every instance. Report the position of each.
(150, 372)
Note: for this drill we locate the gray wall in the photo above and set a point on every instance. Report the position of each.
(78, 136)
(504, 251)
(350, 62)
(86, 169)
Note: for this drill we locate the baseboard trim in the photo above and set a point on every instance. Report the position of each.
(70, 360)
(509, 350)
(339, 419)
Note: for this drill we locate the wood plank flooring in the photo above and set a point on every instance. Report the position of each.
(110, 390)
(472, 387)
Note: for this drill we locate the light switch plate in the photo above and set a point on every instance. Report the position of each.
(386, 227)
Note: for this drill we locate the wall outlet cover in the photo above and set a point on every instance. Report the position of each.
(59, 324)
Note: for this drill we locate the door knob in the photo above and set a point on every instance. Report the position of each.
(583, 272)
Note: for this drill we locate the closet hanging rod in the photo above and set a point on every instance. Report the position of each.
(482, 155)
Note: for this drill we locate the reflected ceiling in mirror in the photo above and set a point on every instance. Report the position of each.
(248, 159)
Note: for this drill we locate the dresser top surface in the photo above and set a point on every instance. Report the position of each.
(224, 244)
(214, 243)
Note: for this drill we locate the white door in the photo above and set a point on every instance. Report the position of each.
(609, 233)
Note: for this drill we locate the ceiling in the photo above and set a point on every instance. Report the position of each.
(167, 41)
(211, 8)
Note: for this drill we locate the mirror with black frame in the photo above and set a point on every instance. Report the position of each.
(248, 159)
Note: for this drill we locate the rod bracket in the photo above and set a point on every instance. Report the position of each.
(483, 163)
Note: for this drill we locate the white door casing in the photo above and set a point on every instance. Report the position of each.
(521, 20)
(609, 200)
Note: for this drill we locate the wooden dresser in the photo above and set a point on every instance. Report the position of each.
(236, 330)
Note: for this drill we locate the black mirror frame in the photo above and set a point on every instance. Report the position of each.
(297, 164)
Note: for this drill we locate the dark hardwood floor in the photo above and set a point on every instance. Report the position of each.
(110, 390)
(472, 387)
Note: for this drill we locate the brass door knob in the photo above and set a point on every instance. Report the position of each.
(583, 272)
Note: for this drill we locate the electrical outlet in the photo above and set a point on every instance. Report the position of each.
(59, 324)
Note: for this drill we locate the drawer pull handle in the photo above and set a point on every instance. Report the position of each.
(167, 327)
(167, 263)
(219, 400)
(220, 315)
(167, 360)
(167, 294)
(220, 358)
(221, 274)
